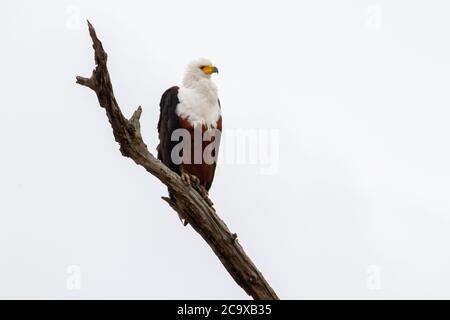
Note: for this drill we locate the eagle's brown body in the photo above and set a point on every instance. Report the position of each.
(203, 168)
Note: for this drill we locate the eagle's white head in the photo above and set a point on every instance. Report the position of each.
(198, 70)
(198, 99)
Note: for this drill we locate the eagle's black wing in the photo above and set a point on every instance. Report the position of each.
(168, 122)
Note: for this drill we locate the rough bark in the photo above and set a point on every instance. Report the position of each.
(190, 204)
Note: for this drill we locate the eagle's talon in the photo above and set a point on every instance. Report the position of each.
(195, 180)
(202, 191)
(185, 177)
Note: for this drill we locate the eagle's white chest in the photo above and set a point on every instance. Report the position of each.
(199, 104)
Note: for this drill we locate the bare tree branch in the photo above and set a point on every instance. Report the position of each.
(190, 204)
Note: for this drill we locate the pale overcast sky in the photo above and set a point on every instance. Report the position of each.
(357, 93)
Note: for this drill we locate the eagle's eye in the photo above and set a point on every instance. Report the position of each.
(201, 67)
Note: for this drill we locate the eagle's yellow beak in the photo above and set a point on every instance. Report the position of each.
(210, 69)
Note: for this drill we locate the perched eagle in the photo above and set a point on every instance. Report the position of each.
(192, 112)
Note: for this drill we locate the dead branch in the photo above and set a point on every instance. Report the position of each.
(190, 205)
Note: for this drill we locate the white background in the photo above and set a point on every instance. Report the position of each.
(359, 92)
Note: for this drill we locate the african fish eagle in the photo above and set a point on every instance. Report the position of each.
(195, 108)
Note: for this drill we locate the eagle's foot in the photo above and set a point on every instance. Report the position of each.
(185, 177)
(195, 181)
(190, 179)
